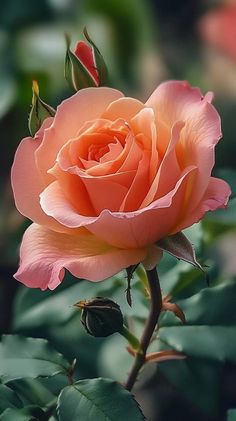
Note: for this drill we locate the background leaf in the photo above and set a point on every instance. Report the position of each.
(8, 398)
(97, 399)
(30, 413)
(231, 415)
(28, 357)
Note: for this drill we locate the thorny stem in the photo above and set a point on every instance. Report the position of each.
(155, 310)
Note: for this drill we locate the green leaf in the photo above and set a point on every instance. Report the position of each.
(39, 111)
(35, 309)
(231, 415)
(180, 247)
(114, 360)
(28, 357)
(194, 379)
(181, 279)
(208, 339)
(217, 343)
(76, 74)
(97, 399)
(211, 306)
(8, 398)
(40, 391)
(210, 329)
(30, 413)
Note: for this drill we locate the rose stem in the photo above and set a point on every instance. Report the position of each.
(155, 309)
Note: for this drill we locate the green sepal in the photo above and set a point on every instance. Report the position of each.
(99, 61)
(180, 247)
(39, 110)
(76, 74)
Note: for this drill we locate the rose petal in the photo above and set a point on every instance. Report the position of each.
(139, 186)
(215, 197)
(46, 254)
(172, 100)
(145, 226)
(143, 124)
(27, 184)
(70, 116)
(165, 179)
(123, 229)
(179, 101)
(125, 108)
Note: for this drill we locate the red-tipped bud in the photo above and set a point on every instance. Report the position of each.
(85, 54)
(85, 67)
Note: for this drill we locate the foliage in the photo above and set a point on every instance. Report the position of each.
(39, 377)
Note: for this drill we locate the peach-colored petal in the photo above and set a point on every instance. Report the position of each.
(174, 101)
(124, 229)
(144, 127)
(27, 184)
(125, 108)
(60, 208)
(127, 160)
(73, 189)
(139, 186)
(107, 192)
(165, 179)
(45, 255)
(215, 197)
(87, 104)
(145, 226)
(198, 139)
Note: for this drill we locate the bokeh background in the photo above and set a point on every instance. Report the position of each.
(143, 43)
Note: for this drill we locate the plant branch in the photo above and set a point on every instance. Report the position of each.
(154, 313)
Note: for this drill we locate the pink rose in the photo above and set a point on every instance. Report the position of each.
(109, 176)
(218, 28)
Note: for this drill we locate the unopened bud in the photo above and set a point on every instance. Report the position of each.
(39, 110)
(101, 316)
(85, 67)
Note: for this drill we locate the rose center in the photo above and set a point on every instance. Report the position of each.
(97, 151)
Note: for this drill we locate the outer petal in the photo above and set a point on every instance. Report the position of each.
(174, 101)
(27, 183)
(215, 197)
(125, 108)
(85, 105)
(45, 255)
(123, 229)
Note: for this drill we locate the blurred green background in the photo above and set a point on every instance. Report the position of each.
(143, 43)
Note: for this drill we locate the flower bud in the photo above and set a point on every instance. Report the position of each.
(85, 54)
(85, 67)
(101, 316)
(39, 110)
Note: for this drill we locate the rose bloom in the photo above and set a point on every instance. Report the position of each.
(218, 28)
(109, 176)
